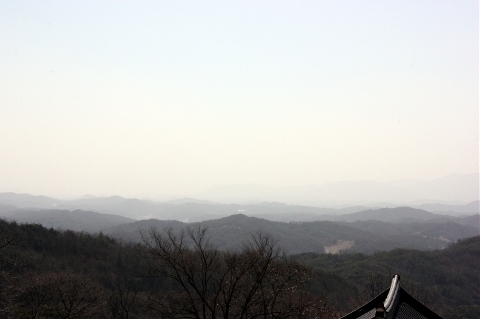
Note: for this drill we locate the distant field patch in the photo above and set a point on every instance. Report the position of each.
(339, 246)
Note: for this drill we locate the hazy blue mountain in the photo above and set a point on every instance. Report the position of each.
(456, 187)
(7, 210)
(300, 228)
(77, 220)
(473, 207)
(116, 205)
(191, 210)
(186, 200)
(348, 193)
(195, 212)
(96, 201)
(398, 214)
(132, 208)
(27, 200)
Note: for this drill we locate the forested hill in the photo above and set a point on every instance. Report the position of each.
(99, 269)
(77, 220)
(446, 280)
(365, 237)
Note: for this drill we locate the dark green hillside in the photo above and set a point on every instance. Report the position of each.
(101, 278)
(38, 248)
(446, 279)
(366, 237)
(132, 232)
(34, 260)
(230, 232)
(471, 221)
(416, 235)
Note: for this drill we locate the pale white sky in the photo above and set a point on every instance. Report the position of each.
(160, 98)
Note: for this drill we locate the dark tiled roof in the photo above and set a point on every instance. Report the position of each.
(397, 303)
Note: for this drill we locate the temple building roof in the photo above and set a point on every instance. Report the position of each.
(393, 303)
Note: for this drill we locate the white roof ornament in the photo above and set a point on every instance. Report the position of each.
(393, 303)
(392, 293)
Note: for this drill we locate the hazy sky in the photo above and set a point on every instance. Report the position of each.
(156, 98)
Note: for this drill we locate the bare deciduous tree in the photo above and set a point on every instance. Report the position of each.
(59, 295)
(257, 281)
(7, 279)
(122, 299)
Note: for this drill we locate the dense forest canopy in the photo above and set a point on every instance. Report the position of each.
(107, 278)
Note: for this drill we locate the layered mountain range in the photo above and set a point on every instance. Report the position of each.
(298, 229)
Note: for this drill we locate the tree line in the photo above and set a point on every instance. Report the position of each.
(47, 273)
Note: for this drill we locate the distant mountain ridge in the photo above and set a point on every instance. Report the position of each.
(366, 236)
(395, 215)
(455, 187)
(191, 210)
(76, 220)
(462, 209)
(299, 228)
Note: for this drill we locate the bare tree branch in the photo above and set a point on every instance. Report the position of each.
(257, 281)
